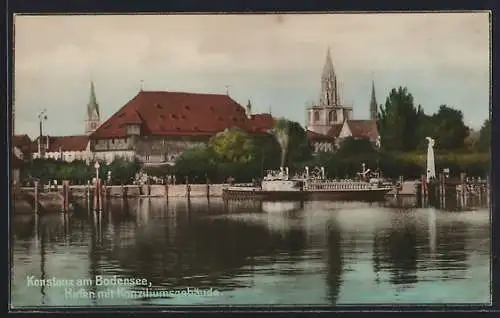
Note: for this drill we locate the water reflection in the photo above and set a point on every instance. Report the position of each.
(257, 252)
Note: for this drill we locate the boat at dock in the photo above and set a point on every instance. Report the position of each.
(278, 186)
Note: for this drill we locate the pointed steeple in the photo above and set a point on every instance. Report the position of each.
(373, 104)
(92, 106)
(328, 70)
(93, 118)
(329, 95)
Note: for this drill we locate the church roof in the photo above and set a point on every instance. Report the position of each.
(363, 128)
(314, 136)
(335, 130)
(162, 113)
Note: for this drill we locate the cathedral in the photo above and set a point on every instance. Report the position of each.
(330, 121)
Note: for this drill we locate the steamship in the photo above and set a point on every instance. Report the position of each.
(278, 185)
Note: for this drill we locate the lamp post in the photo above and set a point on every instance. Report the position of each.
(97, 166)
(42, 116)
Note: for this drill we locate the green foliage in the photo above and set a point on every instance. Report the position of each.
(122, 170)
(449, 128)
(484, 142)
(398, 121)
(299, 149)
(78, 172)
(403, 127)
(352, 146)
(233, 145)
(50, 169)
(196, 164)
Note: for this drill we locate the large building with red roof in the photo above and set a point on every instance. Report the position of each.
(155, 127)
(330, 121)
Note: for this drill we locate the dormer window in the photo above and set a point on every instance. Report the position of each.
(133, 129)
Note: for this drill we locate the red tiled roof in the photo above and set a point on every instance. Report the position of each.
(364, 128)
(314, 136)
(65, 143)
(178, 113)
(21, 141)
(16, 162)
(261, 122)
(335, 130)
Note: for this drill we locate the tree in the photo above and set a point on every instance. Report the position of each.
(356, 147)
(398, 121)
(299, 148)
(233, 145)
(484, 142)
(196, 163)
(449, 128)
(122, 170)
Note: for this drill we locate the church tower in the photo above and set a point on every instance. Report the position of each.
(329, 111)
(373, 104)
(93, 118)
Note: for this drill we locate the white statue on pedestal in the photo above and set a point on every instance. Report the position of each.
(431, 167)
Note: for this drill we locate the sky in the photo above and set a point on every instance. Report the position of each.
(273, 60)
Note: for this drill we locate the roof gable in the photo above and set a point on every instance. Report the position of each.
(363, 128)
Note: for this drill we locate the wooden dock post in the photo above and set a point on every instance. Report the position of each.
(208, 186)
(65, 196)
(100, 194)
(166, 189)
(463, 186)
(188, 189)
(88, 189)
(423, 189)
(96, 195)
(442, 191)
(37, 195)
(488, 191)
(418, 193)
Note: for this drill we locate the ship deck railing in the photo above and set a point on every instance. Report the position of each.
(329, 185)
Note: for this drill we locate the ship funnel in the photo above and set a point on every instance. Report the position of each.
(322, 172)
(286, 171)
(307, 172)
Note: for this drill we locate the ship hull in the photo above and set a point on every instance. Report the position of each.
(257, 194)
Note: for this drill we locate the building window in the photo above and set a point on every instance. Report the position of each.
(332, 116)
(316, 115)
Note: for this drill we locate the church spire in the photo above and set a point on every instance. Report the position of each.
(329, 94)
(373, 104)
(92, 106)
(93, 119)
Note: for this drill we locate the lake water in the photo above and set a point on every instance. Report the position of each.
(251, 253)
